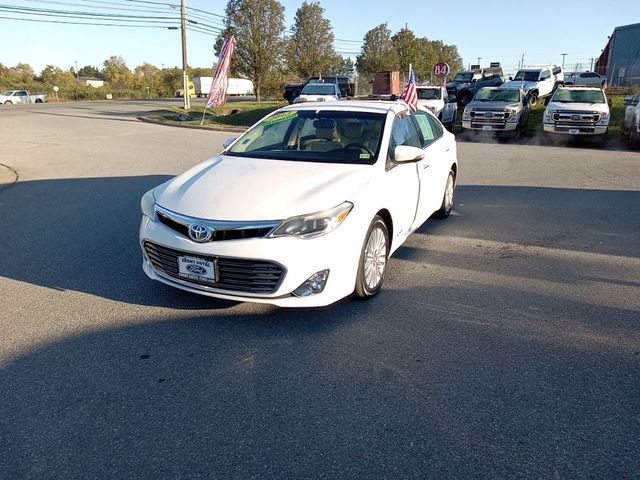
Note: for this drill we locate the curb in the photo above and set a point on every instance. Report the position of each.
(230, 128)
(8, 176)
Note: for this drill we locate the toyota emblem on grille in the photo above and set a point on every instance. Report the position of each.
(199, 233)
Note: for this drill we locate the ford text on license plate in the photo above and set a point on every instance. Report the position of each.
(194, 268)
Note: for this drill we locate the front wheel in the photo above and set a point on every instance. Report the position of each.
(8, 103)
(373, 260)
(533, 99)
(447, 199)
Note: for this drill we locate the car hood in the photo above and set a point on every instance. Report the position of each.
(432, 104)
(515, 84)
(456, 85)
(589, 107)
(493, 105)
(245, 189)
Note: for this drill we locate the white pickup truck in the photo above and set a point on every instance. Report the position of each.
(631, 122)
(537, 81)
(16, 97)
(578, 111)
(437, 100)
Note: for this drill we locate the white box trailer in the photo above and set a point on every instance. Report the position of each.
(236, 86)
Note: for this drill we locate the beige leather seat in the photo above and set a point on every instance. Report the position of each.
(325, 141)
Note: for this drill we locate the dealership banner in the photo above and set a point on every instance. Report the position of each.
(218, 92)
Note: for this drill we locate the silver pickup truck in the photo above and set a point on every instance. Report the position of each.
(497, 110)
(16, 97)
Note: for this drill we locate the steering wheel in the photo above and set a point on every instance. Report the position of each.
(360, 147)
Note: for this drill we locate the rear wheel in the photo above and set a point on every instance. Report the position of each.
(8, 103)
(447, 199)
(373, 259)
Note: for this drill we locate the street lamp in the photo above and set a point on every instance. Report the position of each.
(77, 75)
(479, 58)
(563, 55)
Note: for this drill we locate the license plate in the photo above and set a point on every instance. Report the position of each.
(194, 268)
(574, 131)
(487, 127)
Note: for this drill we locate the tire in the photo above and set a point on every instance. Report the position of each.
(533, 98)
(8, 103)
(465, 98)
(448, 197)
(517, 133)
(374, 258)
(633, 140)
(602, 141)
(38, 100)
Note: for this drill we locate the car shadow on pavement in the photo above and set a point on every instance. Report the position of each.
(405, 390)
(82, 234)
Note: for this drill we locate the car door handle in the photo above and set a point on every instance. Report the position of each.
(425, 166)
(448, 149)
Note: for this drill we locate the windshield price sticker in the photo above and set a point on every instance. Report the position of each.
(281, 117)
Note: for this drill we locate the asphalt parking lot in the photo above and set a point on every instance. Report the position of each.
(505, 343)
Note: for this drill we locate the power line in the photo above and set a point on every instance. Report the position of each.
(83, 23)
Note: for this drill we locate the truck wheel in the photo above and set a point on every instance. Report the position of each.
(533, 98)
(633, 141)
(38, 100)
(517, 132)
(8, 103)
(465, 98)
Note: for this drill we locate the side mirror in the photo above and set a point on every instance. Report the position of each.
(628, 100)
(546, 101)
(228, 142)
(510, 79)
(405, 153)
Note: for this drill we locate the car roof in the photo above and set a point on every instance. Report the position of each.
(365, 106)
(428, 86)
(579, 87)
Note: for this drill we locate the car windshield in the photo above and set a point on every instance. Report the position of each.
(428, 94)
(319, 89)
(506, 95)
(8, 93)
(463, 77)
(527, 76)
(314, 136)
(565, 95)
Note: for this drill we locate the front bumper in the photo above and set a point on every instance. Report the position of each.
(562, 129)
(489, 127)
(337, 251)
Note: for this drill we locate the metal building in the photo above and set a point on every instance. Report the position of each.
(620, 59)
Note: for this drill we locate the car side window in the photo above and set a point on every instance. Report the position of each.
(545, 74)
(403, 132)
(430, 128)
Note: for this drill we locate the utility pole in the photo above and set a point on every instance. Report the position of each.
(591, 67)
(563, 55)
(522, 61)
(185, 78)
(479, 58)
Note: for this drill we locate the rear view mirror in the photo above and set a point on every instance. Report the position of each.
(228, 142)
(405, 153)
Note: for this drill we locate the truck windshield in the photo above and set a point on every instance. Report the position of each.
(314, 135)
(565, 95)
(506, 95)
(8, 93)
(319, 89)
(428, 94)
(463, 77)
(527, 76)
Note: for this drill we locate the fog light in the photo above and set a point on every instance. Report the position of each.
(313, 285)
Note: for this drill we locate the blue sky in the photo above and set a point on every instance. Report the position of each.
(496, 31)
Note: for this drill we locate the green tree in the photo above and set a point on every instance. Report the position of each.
(407, 47)
(89, 71)
(310, 48)
(117, 73)
(343, 66)
(258, 26)
(378, 53)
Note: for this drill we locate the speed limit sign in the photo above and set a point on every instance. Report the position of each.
(441, 69)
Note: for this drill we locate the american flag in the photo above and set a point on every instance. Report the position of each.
(410, 95)
(218, 92)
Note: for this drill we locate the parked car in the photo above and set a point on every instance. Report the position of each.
(631, 122)
(17, 97)
(319, 92)
(304, 208)
(437, 100)
(291, 91)
(538, 81)
(585, 78)
(577, 111)
(467, 82)
(500, 111)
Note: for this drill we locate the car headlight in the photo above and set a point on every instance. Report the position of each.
(548, 115)
(513, 115)
(466, 114)
(314, 224)
(147, 204)
(604, 119)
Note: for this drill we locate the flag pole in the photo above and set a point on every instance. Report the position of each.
(203, 114)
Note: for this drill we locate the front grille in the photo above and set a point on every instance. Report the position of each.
(577, 117)
(489, 114)
(222, 230)
(233, 274)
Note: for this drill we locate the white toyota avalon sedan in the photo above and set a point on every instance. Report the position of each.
(304, 208)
